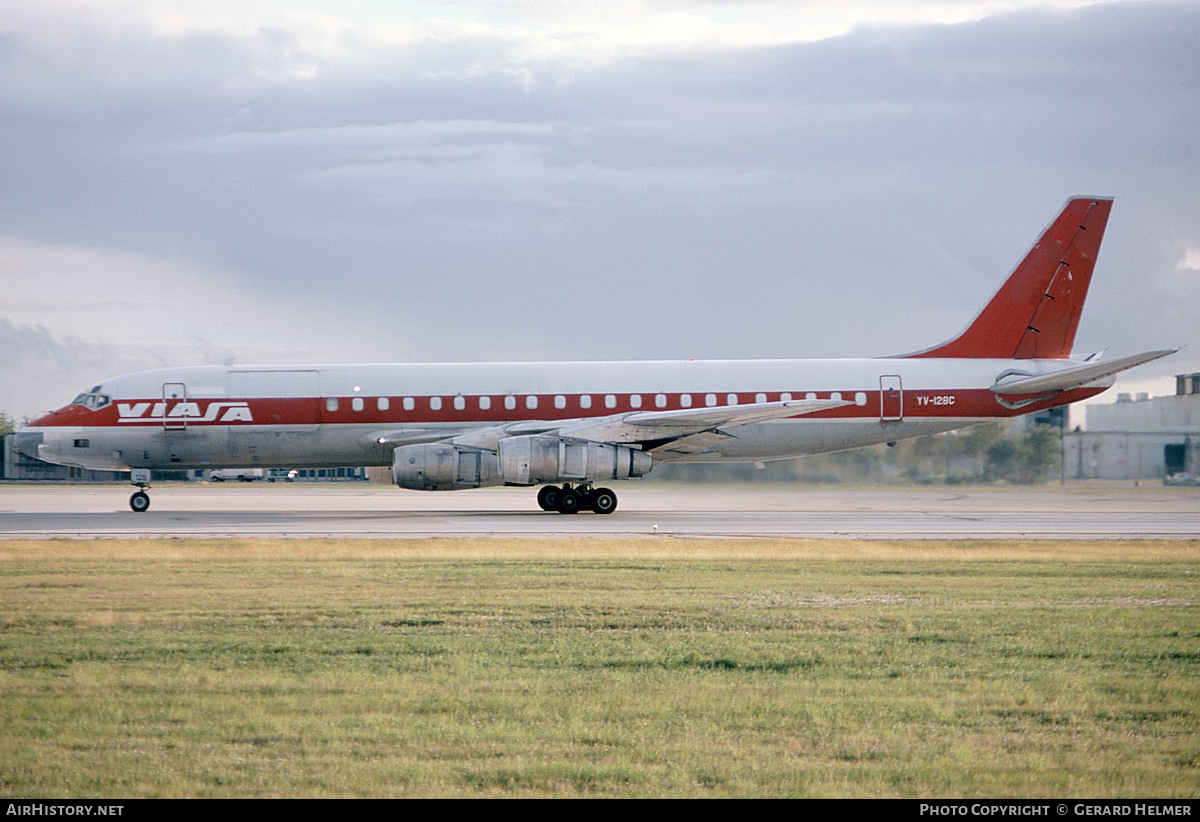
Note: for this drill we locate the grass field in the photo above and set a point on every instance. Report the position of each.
(649, 667)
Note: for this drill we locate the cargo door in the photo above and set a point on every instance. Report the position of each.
(279, 411)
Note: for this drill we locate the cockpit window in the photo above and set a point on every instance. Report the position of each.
(92, 400)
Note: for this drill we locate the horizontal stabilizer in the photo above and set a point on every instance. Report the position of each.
(1075, 377)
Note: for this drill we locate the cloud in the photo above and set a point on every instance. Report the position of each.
(35, 367)
(513, 180)
(75, 315)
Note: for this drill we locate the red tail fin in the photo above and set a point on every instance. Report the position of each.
(1035, 313)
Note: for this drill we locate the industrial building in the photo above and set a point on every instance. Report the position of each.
(1139, 436)
(17, 466)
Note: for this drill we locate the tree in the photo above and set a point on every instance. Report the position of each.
(982, 437)
(1003, 459)
(7, 424)
(1043, 448)
(1028, 458)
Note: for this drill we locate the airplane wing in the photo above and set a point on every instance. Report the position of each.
(410, 436)
(641, 426)
(1073, 377)
(687, 430)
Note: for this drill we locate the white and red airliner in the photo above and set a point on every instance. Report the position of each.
(572, 425)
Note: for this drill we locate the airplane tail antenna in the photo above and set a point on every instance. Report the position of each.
(1036, 312)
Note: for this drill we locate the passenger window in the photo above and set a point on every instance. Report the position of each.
(610, 400)
(382, 403)
(585, 401)
(531, 401)
(357, 403)
(331, 404)
(635, 400)
(785, 397)
(710, 399)
(685, 400)
(560, 401)
(510, 402)
(460, 403)
(409, 404)
(860, 398)
(485, 403)
(435, 403)
(760, 397)
(660, 400)
(731, 399)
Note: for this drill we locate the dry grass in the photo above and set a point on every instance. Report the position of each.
(561, 549)
(640, 667)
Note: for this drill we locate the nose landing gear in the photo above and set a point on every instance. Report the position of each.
(140, 501)
(568, 500)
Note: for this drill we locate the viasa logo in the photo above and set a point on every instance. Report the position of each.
(183, 412)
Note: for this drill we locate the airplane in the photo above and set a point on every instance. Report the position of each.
(570, 426)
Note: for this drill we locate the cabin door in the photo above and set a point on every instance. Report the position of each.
(175, 407)
(891, 398)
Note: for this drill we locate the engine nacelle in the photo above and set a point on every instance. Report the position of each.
(440, 466)
(533, 460)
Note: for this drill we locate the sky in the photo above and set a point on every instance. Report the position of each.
(279, 182)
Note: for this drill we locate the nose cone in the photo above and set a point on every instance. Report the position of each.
(27, 442)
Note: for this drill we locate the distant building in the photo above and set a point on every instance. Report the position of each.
(1139, 436)
(1056, 417)
(16, 465)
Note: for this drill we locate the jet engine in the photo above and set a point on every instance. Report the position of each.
(537, 459)
(442, 466)
(530, 460)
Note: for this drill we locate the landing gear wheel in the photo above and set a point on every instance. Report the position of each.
(548, 498)
(569, 501)
(140, 502)
(603, 501)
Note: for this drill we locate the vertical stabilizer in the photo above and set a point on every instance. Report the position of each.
(1036, 312)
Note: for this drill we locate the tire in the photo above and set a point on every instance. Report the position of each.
(547, 498)
(140, 502)
(569, 502)
(603, 501)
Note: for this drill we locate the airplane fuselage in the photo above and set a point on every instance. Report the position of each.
(335, 415)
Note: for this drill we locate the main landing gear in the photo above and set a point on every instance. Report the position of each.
(568, 500)
(140, 501)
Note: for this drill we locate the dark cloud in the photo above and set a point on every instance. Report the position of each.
(855, 196)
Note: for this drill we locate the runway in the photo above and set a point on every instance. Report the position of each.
(1094, 511)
